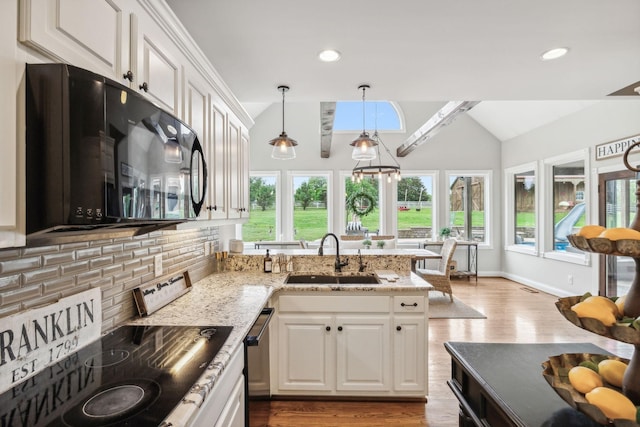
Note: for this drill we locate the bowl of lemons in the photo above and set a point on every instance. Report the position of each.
(592, 384)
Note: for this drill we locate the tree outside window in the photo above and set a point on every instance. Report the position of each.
(262, 223)
(415, 207)
(310, 213)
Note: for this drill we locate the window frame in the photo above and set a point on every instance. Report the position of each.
(289, 199)
(548, 243)
(488, 200)
(278, 205)
(510, 209)
(382, 194)
(435, 184)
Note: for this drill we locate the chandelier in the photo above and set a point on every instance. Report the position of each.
(388, 171)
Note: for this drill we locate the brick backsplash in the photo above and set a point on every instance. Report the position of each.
(39, 275)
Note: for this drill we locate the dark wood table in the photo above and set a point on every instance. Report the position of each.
(502, 384)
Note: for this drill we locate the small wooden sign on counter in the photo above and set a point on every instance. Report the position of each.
(153, 297)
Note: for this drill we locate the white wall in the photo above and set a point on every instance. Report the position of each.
(464, 145)
(602, 122)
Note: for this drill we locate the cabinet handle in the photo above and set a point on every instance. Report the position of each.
(415, 304)
(328, 328)
(339, 328)
(144, 86)
(128, 76)
(398, 328)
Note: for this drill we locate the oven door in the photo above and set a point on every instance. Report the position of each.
(257, 378)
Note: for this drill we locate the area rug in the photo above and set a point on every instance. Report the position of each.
(441, 307)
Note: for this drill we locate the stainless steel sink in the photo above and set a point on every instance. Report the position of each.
(329, 279)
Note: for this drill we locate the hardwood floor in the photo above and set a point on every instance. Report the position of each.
(515, 313)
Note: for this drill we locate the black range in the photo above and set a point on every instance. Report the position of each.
(133, 376)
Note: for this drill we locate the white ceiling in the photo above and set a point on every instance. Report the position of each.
(421, 50)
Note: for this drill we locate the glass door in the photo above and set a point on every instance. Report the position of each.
(617, 208)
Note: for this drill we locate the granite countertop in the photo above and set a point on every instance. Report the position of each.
(236, 298)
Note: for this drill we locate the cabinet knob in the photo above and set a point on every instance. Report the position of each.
(339, 328)
(398, 328)
(415, 304)
(128, 76)
(328, 328)
(144, 86)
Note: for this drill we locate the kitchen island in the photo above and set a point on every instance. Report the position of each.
(236, 298)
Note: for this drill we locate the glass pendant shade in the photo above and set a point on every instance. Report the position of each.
(283, 147)
(363, 148)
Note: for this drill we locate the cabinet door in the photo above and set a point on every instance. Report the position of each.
(89, 34)
(304, 349)
(196, 110)
(409, 353)
(218, 165)
(363, 352)
(233, 412)
(235, 168)
(155, 63)
(244, 170)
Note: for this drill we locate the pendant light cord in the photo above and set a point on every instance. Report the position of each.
(283, 91)
(363, 109)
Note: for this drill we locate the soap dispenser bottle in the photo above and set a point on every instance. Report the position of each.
(268, 263)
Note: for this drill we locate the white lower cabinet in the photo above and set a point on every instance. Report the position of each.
(224, 405)
(350, 346)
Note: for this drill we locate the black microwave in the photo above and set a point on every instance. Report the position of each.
(100, 157)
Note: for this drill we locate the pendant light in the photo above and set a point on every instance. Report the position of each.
(283, 146)
(363, 146)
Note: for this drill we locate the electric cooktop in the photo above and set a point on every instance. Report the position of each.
(133, 376)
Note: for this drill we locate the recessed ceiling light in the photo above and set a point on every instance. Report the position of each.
(329, 55)
(555, 53)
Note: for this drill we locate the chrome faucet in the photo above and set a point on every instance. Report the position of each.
(338, 264)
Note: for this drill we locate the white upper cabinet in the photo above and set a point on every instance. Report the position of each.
(217, 151)
(155, 63)
(88, 34)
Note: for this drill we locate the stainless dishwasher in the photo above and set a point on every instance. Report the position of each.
(256, 372)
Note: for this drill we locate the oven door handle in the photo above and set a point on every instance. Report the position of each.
(254, 340)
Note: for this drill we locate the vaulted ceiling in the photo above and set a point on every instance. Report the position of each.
(421, 50)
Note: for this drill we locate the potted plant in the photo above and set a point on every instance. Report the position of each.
(445, 232)
(366, 243)
(380, 244)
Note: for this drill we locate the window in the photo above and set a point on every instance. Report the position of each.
(568, 206)
(565, 205)
(469, 205)
(521, 232)
(416, 210)
(380, 115)
(309, 194)
(365, 197)
(263, 194)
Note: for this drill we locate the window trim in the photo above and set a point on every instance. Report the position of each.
(342, 177)
(487, 174)
(434, 175)
(548, 246)
(278, 205)
(509, 213)
(289, 201)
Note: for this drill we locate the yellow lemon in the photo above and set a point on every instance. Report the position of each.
(620, 304)
(612, 371)
(589, 231)
(584, 379)
(603, 302)
(619, 233)
(612, 403)
(595, 311)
